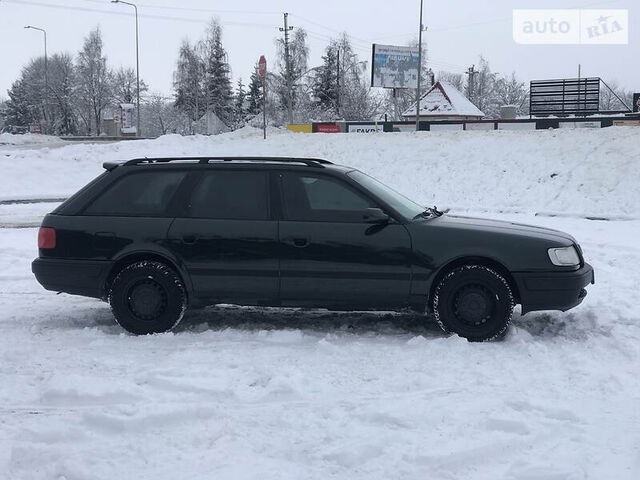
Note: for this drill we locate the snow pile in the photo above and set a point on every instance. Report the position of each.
(27, 139)
(582, 172)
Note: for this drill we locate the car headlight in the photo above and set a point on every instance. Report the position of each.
(564, 256)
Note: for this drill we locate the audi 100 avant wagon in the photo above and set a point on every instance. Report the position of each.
(155, 236)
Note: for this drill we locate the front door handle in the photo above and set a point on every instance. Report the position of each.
(189, 239)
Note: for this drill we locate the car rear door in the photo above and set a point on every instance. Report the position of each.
(227, 238)
(330, 255)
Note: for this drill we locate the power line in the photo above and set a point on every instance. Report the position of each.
(142, 15)
(195, 9)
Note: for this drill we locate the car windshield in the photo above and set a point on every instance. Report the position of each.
(407, 208)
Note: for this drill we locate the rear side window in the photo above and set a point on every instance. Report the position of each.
(231, 195)
(139, 194)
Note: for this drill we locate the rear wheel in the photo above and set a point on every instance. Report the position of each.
(147, 297)
(473, 301)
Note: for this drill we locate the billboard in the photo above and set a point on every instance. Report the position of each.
(394, 66)
(565, 96)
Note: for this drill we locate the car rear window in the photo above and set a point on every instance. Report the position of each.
(138, 194)
(231, 195)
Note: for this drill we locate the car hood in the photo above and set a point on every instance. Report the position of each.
(463, 222)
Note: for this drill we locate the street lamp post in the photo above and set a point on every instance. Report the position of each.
(46, 70)
(137, 63)
(419, 71)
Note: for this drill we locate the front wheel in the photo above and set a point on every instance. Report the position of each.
(473, 301)
(147, 297)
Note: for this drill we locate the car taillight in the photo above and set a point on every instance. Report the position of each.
(47, 237)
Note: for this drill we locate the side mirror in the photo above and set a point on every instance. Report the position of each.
(375, 215)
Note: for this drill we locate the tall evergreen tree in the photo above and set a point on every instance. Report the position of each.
(325, 87)
(217, 82)
(239, 99)
(254, 95)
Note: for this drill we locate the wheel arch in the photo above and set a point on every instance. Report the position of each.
(134, 257)
(474, 260)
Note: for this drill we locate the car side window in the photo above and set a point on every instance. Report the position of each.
(138, 194)
(309, 197)
(230, 195)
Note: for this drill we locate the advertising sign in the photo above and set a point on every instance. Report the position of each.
(394, 66)
(366, 128)
(327, 128)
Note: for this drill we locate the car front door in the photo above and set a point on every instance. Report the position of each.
(330, 254)
(227, 238)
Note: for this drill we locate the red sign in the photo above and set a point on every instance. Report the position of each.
(262, 66)
(327, 128)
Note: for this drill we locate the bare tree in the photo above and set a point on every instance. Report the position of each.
(93, 82)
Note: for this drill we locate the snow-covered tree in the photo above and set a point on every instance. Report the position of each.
(217, 74)
(510, 91)
(188, 82)
(93, 82)
(254, 94)
(30, 101)
(298, 65)
(608, 100)
(454, 79)
(62, 78)
(239, 103)
(125, 86)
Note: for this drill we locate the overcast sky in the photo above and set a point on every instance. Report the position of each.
(458, 32)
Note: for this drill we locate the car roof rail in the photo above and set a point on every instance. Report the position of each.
(310, 162)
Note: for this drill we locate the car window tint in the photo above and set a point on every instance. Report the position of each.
(230, 194)
(139, 194)
(319, 198)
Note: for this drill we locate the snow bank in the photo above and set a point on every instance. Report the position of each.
(582, 172)
(27, 139)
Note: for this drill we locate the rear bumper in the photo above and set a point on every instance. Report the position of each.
(553, 290)
(78, 277)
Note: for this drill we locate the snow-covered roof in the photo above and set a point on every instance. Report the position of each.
(443, 99)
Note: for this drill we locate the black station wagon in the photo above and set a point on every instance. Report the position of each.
(155, 236)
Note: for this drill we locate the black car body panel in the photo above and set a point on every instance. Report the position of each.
(281, 260)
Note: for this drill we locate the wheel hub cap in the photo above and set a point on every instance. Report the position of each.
(473, 304)
(147, 299)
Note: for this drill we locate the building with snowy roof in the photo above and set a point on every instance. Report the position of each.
(443, 102)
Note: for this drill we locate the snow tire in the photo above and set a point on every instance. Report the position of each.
(147, 297)
(473, 301)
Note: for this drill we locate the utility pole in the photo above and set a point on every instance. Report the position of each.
(139, 129)
(287, 60)
(419, 70)
(338, 81)
(471, 71)
(46, 69)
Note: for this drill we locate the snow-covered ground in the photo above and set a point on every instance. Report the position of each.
(239, 393)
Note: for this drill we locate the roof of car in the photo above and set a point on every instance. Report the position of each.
(300, 161)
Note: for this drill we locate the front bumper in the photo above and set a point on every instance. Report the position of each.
(78, 277)
(553, 290)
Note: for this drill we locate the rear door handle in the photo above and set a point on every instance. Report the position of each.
(298, 242)
(189, 239)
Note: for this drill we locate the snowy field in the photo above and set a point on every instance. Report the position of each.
(239, 393)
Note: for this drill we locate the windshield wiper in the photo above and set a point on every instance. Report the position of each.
(430, 213)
